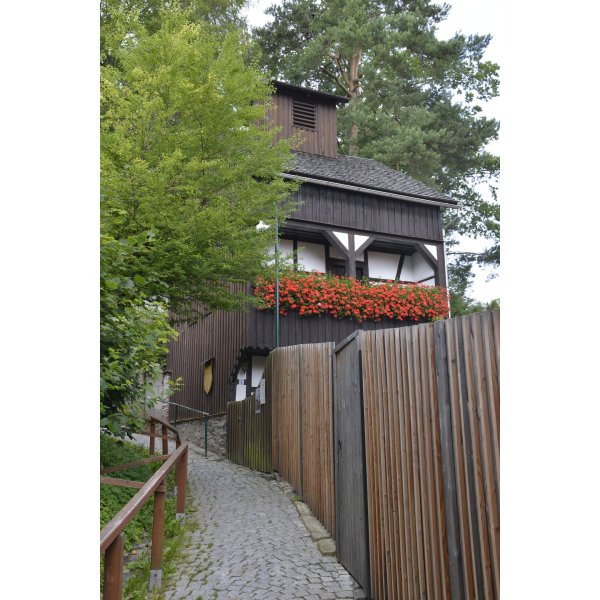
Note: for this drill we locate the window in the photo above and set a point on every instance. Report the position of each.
(338, 267)
(304, 114)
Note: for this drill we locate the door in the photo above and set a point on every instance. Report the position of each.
(352, 544)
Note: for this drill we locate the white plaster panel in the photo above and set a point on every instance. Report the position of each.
(286, 253)
(359, 240)
(421, 268)
(360, 257)
(343, 237)
(240, 388)
(258, 368)
(240, 392)
(432, 249)
(415, 268)
(383, 265)
(311, 257)
(286, 247)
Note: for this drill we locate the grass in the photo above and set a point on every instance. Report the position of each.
(138, 532)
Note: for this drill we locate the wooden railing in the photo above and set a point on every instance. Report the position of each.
(111, 536)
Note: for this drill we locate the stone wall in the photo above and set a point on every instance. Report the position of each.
(193, 430)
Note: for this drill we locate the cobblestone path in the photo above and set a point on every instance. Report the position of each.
(250, 542)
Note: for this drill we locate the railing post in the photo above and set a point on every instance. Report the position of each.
(205, 436)
(158, 532)
(165, 441)
(152, 434)
(113, 570)
(180, 480)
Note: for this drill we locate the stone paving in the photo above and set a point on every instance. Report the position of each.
(249, 541)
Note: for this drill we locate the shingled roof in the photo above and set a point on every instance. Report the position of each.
(365, 173)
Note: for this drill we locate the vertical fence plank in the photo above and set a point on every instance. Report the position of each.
(447, 452)
(483, 558)
(249, 434)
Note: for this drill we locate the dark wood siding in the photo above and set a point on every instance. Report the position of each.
(323, 139)
(368, 213)
(296, 329)
(220, 335)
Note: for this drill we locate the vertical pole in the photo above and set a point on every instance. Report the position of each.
(113, 570)
(176, 407)
(205, 436)
(180, 480)
(351, 256)
(165, 441)
(152, 434)
(276, 279)
(446, 282)
(158, 531)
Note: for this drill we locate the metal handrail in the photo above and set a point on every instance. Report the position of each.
(200, 412)
(111, 536)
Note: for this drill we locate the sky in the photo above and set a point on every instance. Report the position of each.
(469, 17)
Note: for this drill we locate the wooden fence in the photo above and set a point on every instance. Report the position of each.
(410, 419)
(431, 433)
(299, 383)
(249, 434)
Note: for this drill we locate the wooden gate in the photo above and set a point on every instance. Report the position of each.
(349, 452)
(249, 434)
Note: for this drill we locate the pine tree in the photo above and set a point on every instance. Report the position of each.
(414, 100)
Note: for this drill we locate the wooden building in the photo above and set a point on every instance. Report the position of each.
(356, 217)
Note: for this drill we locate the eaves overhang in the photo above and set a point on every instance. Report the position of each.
(374, 191)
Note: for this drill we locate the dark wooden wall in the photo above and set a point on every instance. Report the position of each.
(323, 140)
(369, 213)
(220, 335)
(296, 329)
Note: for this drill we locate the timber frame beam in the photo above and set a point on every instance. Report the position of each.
(351, 252)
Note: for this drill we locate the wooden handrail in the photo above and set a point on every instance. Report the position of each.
(112, 529)
(111, 536)
(167, 425)
(134, 463)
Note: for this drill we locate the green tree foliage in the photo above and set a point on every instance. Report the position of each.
(134, 332)
(414, 100)
(188, 169)
(460, 276)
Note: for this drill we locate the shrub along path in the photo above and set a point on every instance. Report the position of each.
(249, 541)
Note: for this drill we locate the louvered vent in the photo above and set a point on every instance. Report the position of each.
(305, 114)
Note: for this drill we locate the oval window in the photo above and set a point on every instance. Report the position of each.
(208, 375)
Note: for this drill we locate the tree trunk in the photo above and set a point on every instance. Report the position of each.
(354, 93)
